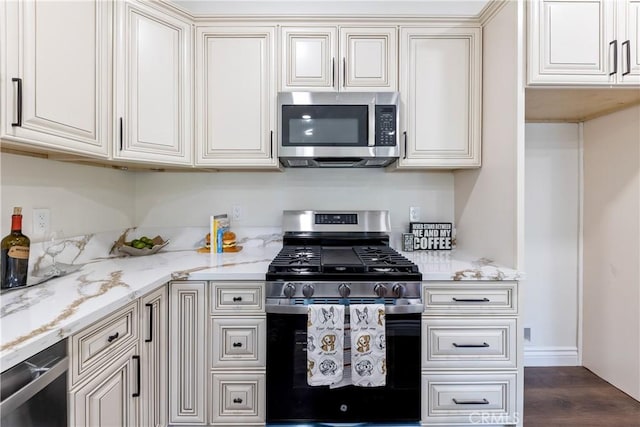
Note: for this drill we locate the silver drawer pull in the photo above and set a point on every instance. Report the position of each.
(471, 299)
(484, 344)
(471, 402)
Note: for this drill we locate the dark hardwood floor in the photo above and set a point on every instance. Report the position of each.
(574, 396)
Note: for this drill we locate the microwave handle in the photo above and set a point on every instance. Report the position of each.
(372, 123)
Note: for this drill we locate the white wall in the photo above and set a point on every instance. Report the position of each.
(486, 202)
(85, 199)
(170, 199)
(81, 199)
(611, 337)
(552, 209)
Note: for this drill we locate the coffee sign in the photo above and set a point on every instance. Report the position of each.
(432, 236)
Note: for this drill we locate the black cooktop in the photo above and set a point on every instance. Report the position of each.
(364, 263)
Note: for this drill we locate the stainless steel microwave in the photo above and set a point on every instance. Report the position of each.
(338, 129)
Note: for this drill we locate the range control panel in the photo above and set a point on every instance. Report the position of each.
(337, 218)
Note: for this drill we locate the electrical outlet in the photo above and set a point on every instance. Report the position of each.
(41, 222)
(237, 213)
(527, 334)
(414, 214)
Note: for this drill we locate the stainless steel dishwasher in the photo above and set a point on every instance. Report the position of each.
(34, 392)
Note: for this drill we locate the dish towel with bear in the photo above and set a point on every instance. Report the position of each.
(325, 345)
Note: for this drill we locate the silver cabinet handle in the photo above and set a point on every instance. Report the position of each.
(615, 57)
(344, 72)
(628, 61)
(333, 72)
(405, 144)
(484, 344)
(471, 299)
(471, 402)
(18, 101)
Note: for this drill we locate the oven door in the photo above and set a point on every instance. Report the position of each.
(290, 399)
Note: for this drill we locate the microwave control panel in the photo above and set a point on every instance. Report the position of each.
(386, 125)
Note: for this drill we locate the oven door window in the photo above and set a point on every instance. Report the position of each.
(325, 125)
(289, 398)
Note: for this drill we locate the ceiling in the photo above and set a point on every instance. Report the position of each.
(445, 8)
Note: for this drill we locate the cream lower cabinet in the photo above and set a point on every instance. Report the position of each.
(118, 371)
(153, 88)
(236, 98)
(104, 371)
(237, 353)
(56, 92)
(441, 96)
(153, 357)
(471, 354)
(583, 42)
(187, 350)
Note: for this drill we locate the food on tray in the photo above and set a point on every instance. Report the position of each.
(228, 241)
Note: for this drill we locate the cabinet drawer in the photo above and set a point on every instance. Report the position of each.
(468, 399)
(102, 340)
(236, 298)
(470, 298)
(237, 398)
(238, 342)
(466, 343)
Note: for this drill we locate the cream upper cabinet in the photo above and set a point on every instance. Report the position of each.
(153, 86)
(583, 42)
(345, 58)
(440, 90)
(235, 97)
(629, 35)
(57, 74)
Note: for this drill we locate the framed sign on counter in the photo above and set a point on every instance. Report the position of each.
(431, 236)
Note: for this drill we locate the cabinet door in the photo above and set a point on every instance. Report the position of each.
(153, 86)
(109, 399)
(441, 92)
(629, 39)
(235, 76)
(153, 356)
(572, 42)
(187, 343)
(59, 52)
(309, 59)
(369, 59)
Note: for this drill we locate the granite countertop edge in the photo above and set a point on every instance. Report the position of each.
(104, 285)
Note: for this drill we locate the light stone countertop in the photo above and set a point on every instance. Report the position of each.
(36, 317)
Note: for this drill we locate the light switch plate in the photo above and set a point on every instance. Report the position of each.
(414, 214)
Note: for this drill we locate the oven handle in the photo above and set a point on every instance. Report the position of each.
(302, 309)
(46, 377)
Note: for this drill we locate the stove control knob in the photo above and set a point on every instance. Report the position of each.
(380, 290)
(289, 290)
(307, 291)
(344, 290)
(399, 290)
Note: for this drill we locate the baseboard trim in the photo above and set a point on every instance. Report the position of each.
(551, 356)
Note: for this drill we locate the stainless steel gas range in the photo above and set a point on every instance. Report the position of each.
(341, 257)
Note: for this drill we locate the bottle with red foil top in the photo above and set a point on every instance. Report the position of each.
(15, 254)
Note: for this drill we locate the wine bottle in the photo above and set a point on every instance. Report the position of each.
(15, 254)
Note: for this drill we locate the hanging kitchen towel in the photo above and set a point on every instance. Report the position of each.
(325, 344)
(368, 347)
